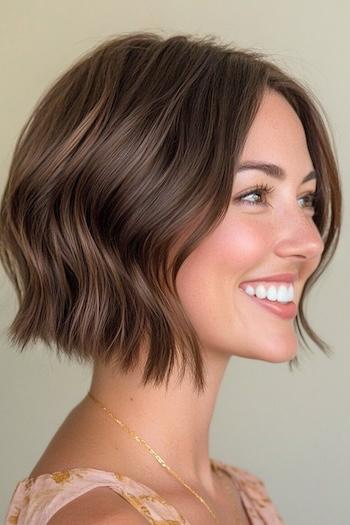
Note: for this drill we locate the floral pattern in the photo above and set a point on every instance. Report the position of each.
(35, 500)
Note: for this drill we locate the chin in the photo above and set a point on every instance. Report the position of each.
(279, 355)
(279, 352)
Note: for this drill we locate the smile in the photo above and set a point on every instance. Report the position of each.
(284, 311)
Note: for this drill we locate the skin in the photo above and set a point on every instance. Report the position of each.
(251, 241)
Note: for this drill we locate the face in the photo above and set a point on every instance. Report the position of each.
(262, 234)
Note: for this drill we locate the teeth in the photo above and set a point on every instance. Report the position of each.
(250, 290)
(261, 291)
(283, 293)
(272, 293)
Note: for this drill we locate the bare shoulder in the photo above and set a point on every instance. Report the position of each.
(99, 506)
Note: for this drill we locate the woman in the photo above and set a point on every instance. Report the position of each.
(169, 204)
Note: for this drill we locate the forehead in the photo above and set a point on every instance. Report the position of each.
(277, 134)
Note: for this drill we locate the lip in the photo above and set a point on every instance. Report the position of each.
(285, 311)
(280, 277)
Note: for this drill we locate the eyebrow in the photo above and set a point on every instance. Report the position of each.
(273, 170)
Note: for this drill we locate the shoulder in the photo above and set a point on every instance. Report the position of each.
(250, 483)
(241, 474)
(255, 494)
(99, 506)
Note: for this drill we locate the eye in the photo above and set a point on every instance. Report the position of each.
(311, 199)
(260, 189)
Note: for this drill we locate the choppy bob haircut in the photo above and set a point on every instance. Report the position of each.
(135, 144)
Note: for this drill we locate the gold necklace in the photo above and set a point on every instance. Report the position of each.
(158, 458)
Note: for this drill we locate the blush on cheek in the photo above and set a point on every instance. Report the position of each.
(245, 245)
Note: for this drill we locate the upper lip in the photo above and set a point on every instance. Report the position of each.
(280, 277)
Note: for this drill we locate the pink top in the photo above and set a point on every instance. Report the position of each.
(35, 500)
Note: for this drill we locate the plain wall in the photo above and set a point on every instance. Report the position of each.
(290, 429)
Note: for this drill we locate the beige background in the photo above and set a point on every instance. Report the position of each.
(292, 430)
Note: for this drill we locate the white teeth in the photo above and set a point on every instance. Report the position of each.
(261, 291)
(250, 290)
(283, 293)
(272, 293)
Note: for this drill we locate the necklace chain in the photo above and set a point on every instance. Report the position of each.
(158, 457)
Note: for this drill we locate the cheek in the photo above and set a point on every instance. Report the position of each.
(243, 244)
(229, 252)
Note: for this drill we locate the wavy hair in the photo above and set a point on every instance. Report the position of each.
(134, 145)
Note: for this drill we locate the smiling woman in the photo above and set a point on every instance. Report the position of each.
(130, 230)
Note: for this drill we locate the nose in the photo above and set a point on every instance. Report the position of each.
(299, 237)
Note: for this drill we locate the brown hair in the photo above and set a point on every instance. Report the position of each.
(125, 152)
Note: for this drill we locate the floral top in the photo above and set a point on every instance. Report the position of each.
(35, 500)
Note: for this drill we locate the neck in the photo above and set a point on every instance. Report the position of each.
(174, 421)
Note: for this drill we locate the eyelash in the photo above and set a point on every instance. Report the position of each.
(264, 189)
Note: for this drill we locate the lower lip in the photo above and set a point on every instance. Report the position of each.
(285, 311)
